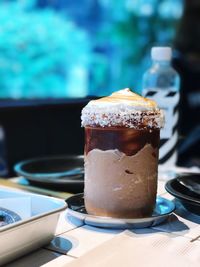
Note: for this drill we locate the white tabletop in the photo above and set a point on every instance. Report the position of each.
(80, 239)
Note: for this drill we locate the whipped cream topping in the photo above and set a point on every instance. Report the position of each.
(124, 99)
(125, 109)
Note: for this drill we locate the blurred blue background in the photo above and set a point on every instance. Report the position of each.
(59, 48)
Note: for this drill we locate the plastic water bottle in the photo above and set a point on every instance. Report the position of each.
(161, 83)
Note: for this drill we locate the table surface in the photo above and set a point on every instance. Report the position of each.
(78, 239)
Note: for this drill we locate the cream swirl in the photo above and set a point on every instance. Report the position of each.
(124, 109)
(124, 98)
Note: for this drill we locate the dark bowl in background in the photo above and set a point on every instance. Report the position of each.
(186, 189)
(63, 173)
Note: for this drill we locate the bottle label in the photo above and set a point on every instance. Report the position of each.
(167, 100)
(166, 132)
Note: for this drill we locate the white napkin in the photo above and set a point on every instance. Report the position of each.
(156, 250)
(20, 205)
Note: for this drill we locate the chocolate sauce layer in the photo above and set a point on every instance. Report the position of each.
(126, 140)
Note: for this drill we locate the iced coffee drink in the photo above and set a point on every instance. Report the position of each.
(121, 155)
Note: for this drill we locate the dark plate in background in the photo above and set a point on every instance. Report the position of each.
(186, 189)
(64, 173)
